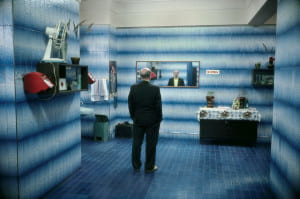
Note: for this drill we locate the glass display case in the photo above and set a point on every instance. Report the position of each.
(66, 77)
(263, 78)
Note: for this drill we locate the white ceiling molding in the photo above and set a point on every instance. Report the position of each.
(263, 12)
(183, 18)
(128, 6)
(143, 13)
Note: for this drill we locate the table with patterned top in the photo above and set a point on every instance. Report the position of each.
(227, 124)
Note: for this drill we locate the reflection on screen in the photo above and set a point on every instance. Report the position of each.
(188, 71)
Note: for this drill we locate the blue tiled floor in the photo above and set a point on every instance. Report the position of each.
(187, 170)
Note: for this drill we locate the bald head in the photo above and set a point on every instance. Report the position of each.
(145, 73)
(175, 73)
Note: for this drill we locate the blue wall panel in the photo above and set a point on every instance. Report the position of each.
(97, 48)
(39, 139)
(48, 131)
(113, 54)
(95, 52)
(285, 151)
(233, 50)
(8, 143)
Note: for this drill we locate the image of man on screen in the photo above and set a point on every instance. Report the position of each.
(175, 80)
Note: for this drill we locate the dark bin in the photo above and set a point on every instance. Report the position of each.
(124, 129)
(101, 127)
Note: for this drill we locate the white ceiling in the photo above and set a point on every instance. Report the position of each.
(133, 13)
(192, 4)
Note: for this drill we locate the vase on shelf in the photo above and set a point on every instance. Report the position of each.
(257, 65)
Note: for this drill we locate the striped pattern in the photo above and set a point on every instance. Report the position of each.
(40, 139)
(97, 48)
(8, 142)
(94, 52)
(233, 50)
(285, 152)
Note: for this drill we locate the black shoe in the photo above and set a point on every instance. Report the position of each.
(151, 170)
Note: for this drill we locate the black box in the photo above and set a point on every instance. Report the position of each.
(124, 129)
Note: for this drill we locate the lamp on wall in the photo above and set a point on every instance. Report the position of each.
(91, 78)
(57, 43)
(36, 82)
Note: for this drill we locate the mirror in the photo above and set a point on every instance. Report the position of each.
(163, 73)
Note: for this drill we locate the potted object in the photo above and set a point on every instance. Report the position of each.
(243, 102)
(271, 63)
(75, 60)
(210, 99)
(257, 65)
(236, 103)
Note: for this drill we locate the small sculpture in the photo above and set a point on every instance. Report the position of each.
(236, 103)
(224, 114)
(203, 114)
(247, 115)
(210, 99)
(271, 63)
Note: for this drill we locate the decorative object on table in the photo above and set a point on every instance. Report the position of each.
(257, 65)
(243, 102)
(247, 115)
(224, 114)
(240, 103)
(203, 114)
(216, 114)
(271, 63)
(75, 60)
(235, 104)
(210, 99)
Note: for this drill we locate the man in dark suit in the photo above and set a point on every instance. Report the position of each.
(144, 103)
(175, 80)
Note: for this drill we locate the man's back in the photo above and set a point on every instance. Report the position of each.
(144, 103)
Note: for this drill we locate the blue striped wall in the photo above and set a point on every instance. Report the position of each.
(47, 132)
(94, 52)
(8, 143)
(231, 49)
(285, 150)
(113, 56)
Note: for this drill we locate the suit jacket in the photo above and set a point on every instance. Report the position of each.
(144, 103)
(180, 82)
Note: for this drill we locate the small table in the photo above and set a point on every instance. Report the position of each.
(229, 125)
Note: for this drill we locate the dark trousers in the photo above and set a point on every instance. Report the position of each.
(151, 142)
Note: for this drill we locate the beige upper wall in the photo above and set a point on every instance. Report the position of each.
(143, 13)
